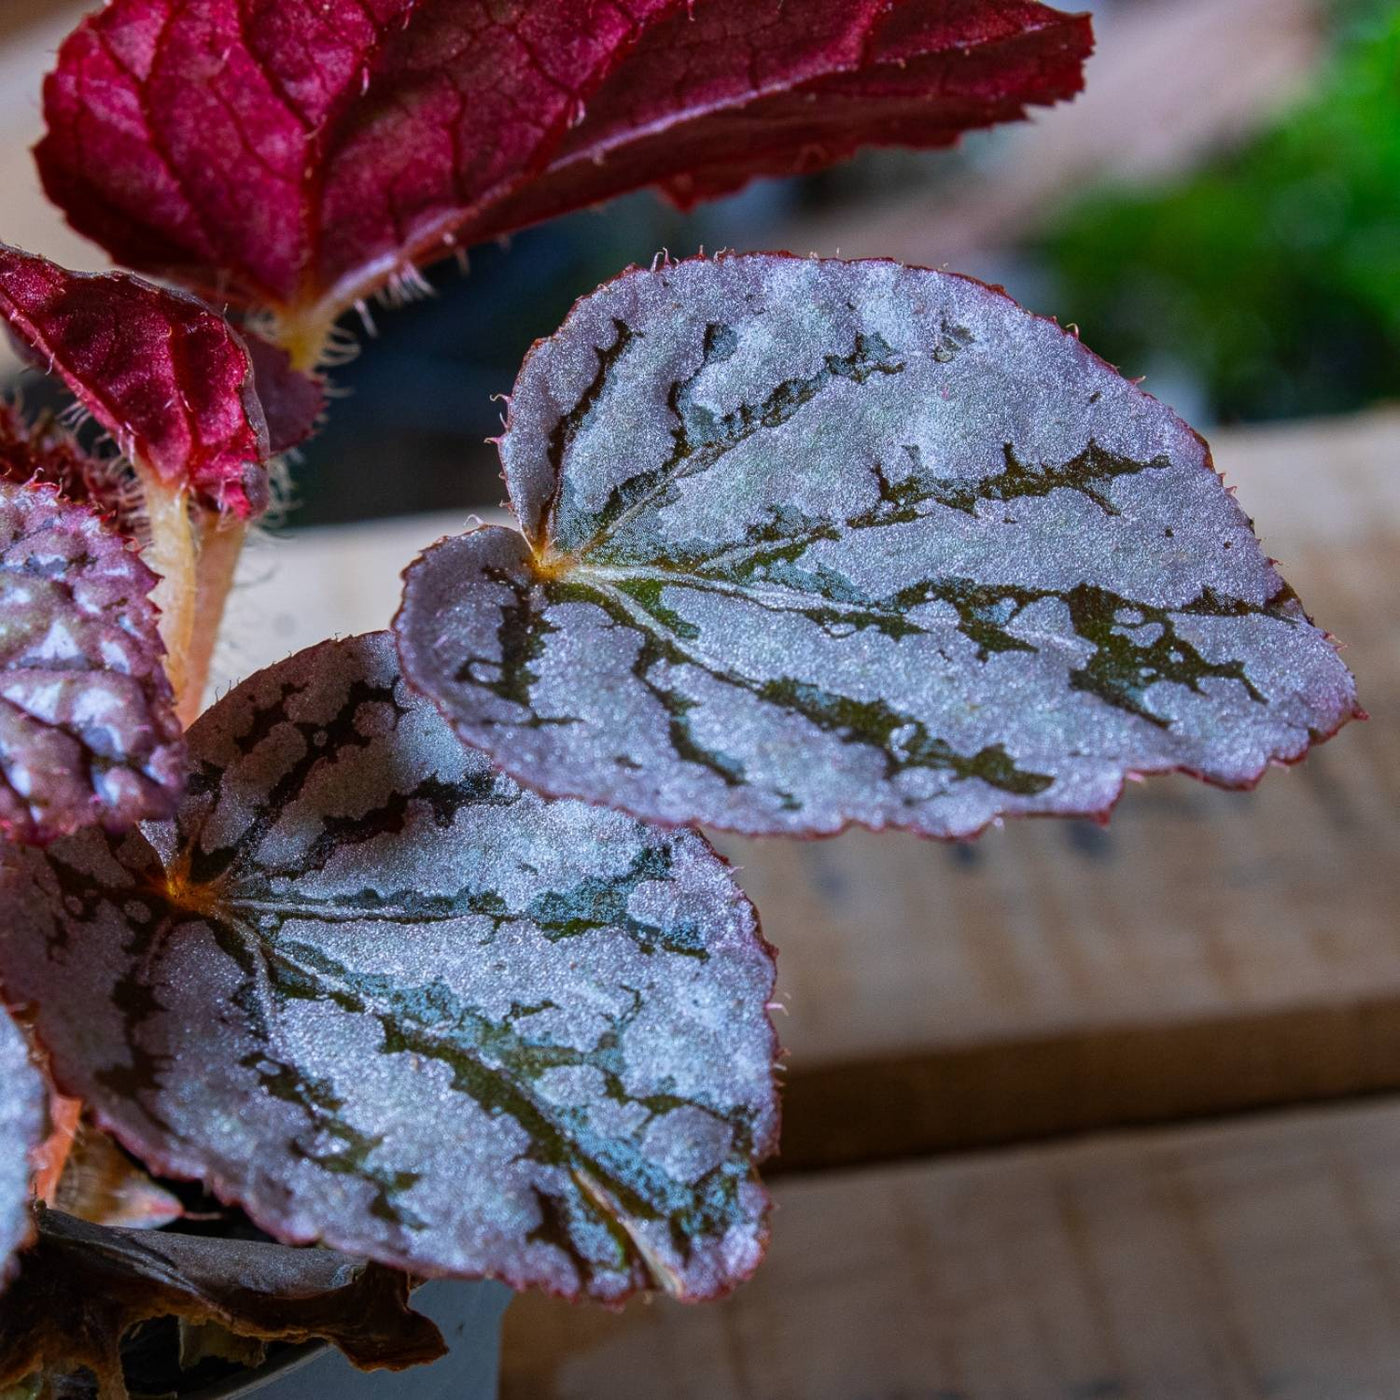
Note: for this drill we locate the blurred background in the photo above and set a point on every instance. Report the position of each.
(1219, 212)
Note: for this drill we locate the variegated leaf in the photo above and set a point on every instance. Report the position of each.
(378, 995)
(22, 1118)
(810, 543)
(87, 730)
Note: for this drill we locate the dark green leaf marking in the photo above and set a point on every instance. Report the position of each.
(814, 543)
(379, 995)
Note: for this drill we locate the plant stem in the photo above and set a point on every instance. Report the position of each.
(195, 555)
(220, 544)
(304, 339)
(172, 554)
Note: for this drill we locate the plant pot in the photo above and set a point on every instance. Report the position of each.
(469, 1315)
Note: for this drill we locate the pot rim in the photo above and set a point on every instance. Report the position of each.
(246, 1382)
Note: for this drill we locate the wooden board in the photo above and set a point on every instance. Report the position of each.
(1259, 1259)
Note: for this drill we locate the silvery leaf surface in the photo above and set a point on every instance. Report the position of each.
(809, 543)
(22, 1120)
(378, 995)
(88, 733)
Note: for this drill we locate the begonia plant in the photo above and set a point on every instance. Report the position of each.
(410, 945)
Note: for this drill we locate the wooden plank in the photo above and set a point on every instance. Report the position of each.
(1207, 952)
(1254, 1259)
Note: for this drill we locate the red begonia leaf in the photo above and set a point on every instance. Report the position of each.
(83, 1287)
(87, 731)
(298, 154)
(709, 100)
(810, 543)
(292, 402)
(378, 995)
(45, 451)
(165, 375)
(22, 1119)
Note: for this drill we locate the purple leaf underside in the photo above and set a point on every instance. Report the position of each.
(165, 375)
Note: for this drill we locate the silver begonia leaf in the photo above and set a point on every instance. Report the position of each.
(88, 733)
(22, 1123)
(809, 543)
(374, 992)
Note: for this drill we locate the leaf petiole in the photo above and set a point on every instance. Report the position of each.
(196, 556)
(172, 553)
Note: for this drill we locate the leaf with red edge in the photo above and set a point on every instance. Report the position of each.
(165, 375)
(810, 543)
(22, 1119)
(743, 88)
(87, 731)
(378, 995)
(297, 155)
(84, 1287)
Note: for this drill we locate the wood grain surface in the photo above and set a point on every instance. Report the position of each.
(1235, 1262)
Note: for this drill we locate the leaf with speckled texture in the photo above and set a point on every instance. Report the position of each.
(83, 1287)
(379, 995)
(809, 543)
(88, 734)
(160, 371)
(299, 154)
(22, 1118)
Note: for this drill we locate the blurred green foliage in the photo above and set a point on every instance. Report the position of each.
(1270, 281)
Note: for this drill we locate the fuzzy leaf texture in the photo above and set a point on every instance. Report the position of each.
(44, 450)
(297, 155)
(88, 734)
(378, 995)
(810, 543)
(22, 1124)
(84, 1286)
(167, 377)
